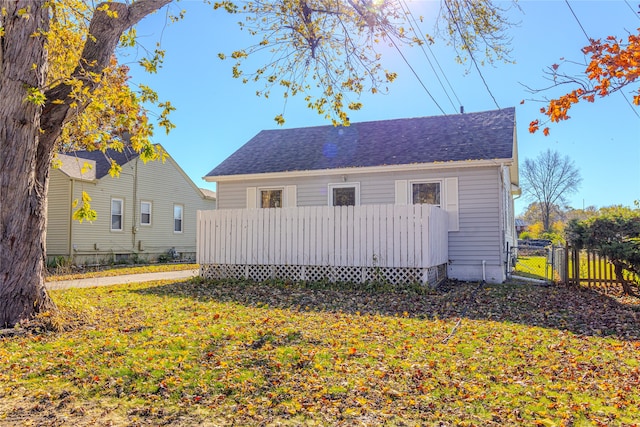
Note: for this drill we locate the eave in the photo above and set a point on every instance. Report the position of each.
(361, 170)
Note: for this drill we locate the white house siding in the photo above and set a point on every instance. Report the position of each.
(479, 239)
(161, 184)
(480, 235)
(58, 214)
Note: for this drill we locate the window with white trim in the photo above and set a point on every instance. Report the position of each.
(177, 218)
(145, 213)
(271, 198)
(426, 193)
(344, 194)
(117, 209)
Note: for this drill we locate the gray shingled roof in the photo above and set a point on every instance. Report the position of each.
(473, 136)
(102, 161)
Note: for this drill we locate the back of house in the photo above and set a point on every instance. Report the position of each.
(465, 164)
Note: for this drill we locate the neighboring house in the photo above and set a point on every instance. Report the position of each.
(149, 211)
(521, 226)
(466, 164)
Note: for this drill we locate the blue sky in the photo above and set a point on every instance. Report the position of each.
(217, 114)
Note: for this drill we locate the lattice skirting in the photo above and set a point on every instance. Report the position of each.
(394, 275)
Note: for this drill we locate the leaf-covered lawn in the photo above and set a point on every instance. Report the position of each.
(172, 353)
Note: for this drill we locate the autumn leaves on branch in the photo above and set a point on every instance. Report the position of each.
(612, 66)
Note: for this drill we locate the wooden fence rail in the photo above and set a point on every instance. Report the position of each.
(374, 236)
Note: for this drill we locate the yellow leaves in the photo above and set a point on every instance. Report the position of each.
(129, 38)
(25, 12)
(279, 119)
(238, 54)
(115, 169)
(35, 96)
(85, 212)
(106, 9)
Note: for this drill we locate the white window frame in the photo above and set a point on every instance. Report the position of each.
(428, 181)
(181, 206)
(282, 196)
(355, 185)
(142, 203)
(121, 213)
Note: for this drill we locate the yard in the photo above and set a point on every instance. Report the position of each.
(192, 353)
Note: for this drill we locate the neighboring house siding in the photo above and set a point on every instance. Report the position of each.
(96, 238)
(160, 184)
(174, 190)
(58, 214)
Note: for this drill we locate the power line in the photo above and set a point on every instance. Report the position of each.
(578, 21)
(417, 29)
(636, 14)
(417, 76)
(473, 59)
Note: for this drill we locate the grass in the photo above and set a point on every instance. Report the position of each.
(120, 270)
(532, 266)
(220, 353)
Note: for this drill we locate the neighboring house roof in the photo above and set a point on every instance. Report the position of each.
(77, 168)
(209, 194)
(474, 136)
(94, 165)
(99, 163)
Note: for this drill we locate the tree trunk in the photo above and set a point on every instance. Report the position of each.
(28, 135)
(626, 287)
(23, 204)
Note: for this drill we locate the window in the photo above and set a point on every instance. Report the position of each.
(145, 213)
(426, 192)
(270, 198)
(116, 214)
(177, 218)
(344, 194)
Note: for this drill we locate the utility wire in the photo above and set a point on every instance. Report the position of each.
(417, 76)
(577, 20)
(416, 29)
(473, 59)
(636, 14)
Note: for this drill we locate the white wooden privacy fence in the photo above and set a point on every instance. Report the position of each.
(395, 243)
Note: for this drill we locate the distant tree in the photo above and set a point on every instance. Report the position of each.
(614, 233)
(581, 214)
(533, 213)
(62, 89)
(548, 180)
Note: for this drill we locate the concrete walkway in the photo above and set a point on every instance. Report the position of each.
(91, 282)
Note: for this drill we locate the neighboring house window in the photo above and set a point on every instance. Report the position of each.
(426, 192)
(116, 214)
(177, 218)
(344, 194)
(145, 213)
(271, 198)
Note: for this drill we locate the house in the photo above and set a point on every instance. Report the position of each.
(521, 226)
(148, 212)
(466, 165)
